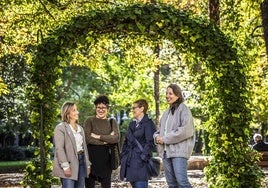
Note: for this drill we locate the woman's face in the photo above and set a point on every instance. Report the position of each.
(73, 114)
(137, 111)
(101, 111)
(170, 96)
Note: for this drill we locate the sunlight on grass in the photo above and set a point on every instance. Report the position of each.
(12, 165)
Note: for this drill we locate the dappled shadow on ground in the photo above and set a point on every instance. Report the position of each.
(196, 178)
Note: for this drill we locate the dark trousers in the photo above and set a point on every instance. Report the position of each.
(105, 182)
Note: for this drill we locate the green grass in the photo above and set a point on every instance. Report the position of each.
(12, 166)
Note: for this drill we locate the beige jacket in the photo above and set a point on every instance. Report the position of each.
(65, 151)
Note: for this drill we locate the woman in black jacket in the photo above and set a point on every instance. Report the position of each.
(259, 145)
(133, 159)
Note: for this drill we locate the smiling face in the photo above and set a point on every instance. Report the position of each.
(137, 111)
(101, 111)
(69, 112)
(170, 96)
(73, 114)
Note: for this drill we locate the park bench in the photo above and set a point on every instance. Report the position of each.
(264, 159)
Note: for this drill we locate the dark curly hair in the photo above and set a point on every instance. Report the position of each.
(102, 99)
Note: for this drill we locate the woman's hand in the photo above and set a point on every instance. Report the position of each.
(68, 172)
(159, 140)
(88, 170)
(95, 135)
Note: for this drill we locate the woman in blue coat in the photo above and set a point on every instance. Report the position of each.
(133, 159)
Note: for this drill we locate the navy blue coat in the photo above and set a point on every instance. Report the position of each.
(133, 160)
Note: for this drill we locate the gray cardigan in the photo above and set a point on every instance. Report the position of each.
(178, 133)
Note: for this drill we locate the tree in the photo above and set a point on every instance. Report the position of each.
(62, 38)
(145, 15)
(264, 15)
(14, 108)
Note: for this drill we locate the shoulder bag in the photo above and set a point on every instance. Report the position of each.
(114, 152)
(153, 164)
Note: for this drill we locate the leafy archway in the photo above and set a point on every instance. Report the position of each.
(226, 94)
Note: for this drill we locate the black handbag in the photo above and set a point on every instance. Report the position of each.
(114, 152)
(153, 164)
(153, 167)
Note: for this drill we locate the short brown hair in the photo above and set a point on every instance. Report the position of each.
(142, 103)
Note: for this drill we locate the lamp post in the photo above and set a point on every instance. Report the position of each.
(124, 116)
(118, 117)
(122, 128)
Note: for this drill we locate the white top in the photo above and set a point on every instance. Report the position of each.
(78, 138)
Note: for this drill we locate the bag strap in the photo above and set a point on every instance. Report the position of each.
(139, 145)
(111, 124)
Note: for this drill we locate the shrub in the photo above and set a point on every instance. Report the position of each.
(12, 153)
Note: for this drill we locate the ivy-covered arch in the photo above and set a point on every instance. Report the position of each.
(226, 96)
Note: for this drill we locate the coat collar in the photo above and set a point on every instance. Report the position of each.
(70, 133)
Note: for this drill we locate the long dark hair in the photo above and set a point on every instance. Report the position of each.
(178, 92)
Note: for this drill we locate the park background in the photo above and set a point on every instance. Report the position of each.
(53, 51)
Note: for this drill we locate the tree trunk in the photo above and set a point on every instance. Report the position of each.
(214, 10)
(16, 140)
(156, 89)
(264, 15)
(156, 95)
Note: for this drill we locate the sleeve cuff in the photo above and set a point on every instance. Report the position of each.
(65, 165)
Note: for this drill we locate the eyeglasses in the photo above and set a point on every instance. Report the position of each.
(134, 107)
(101, 108)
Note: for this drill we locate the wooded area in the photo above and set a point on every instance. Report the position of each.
(52, 51)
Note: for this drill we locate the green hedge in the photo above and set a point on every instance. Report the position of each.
(12, 166)
(16, 153)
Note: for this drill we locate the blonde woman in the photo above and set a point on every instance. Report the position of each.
(71, 163)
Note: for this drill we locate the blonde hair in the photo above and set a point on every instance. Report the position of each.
(65, 111)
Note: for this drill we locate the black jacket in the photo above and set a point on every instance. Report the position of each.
(260, 146)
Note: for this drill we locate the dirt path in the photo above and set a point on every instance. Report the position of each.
(196, 178)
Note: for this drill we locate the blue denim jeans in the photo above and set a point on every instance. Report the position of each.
(139, 184)
(176, 172)
(69, 183)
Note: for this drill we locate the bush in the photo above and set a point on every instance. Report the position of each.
(12, 153)
(29, 152)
